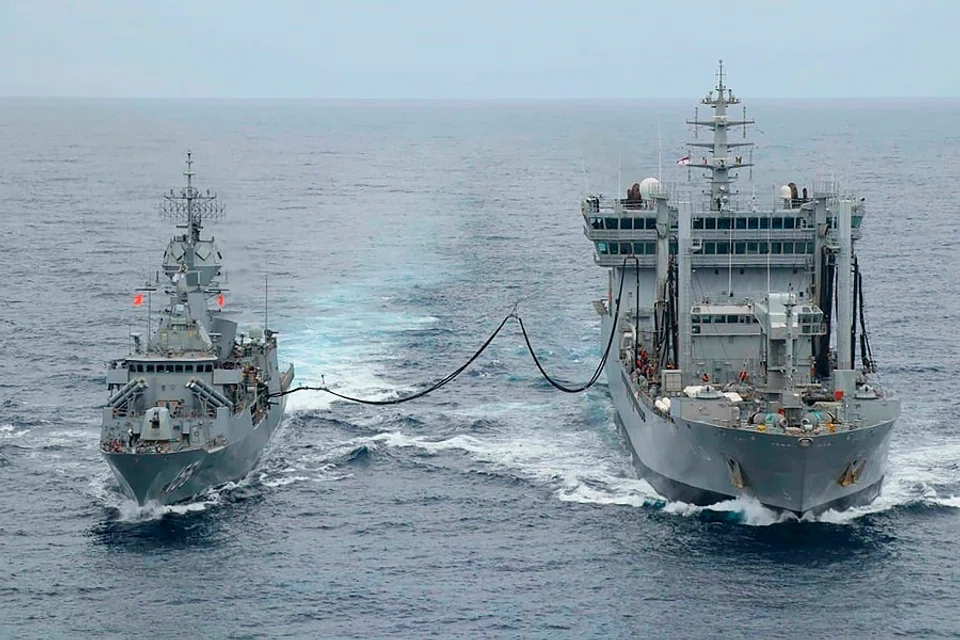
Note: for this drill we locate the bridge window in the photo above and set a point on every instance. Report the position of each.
(596, 223)
(733, 319)
(764, 247)
(723, 223)
(776, 247)
(777, 223)
(809, 247)
(626, 248)
(611, 223)
(651, 223)
(752, 247)
(602, 248)
(789, 223)
(698, 223)
(626, 223)
(149, 368)
(710, 223)
(740, 247)
(178, 368)
(650, 248)
(753, 223)
(741, 223)
(788, 247)
(710, 248)
(188, 368)
(764, 223)
(723, 248)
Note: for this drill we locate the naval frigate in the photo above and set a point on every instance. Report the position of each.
(193, 404)
(733, 329)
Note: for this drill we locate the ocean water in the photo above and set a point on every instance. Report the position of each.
(395, 237)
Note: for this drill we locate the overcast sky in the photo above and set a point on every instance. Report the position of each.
(467, 49)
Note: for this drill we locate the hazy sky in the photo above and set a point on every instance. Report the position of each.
(469, 49)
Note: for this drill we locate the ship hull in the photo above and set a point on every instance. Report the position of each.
(704, 464)
(169, 478)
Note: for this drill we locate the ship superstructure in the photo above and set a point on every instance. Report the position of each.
(190, 407)
(741, 364)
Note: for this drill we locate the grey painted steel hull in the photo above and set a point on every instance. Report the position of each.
(168, 478)
(689, 461)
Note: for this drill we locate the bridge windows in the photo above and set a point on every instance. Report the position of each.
(750, 223)
(753, 247)
(160, 367)
(709, 248)
(717, 318)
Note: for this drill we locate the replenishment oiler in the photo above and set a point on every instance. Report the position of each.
(740, 362)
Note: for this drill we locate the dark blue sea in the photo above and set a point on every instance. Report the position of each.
(396, 236)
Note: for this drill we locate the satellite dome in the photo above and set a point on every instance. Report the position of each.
(649, 186)
(785, 192)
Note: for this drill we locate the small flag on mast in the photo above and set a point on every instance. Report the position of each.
(685, 160)
(220, 300)
(138, 300)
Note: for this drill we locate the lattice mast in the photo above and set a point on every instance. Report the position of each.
(720, 164)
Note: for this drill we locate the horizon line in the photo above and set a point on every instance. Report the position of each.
(459, 99)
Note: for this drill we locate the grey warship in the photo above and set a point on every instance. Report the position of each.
(193, 404)
(733, 329)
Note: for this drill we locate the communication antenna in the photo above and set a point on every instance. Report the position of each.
(660, 152)
(619, 174)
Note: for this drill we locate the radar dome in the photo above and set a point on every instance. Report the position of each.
(785, 192)
(649, 186)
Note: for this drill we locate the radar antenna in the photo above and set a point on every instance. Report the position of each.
(191, 206)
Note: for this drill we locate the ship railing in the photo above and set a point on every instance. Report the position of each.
(826, 187)
(596, 203)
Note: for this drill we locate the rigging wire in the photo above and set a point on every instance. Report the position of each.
(456, 372)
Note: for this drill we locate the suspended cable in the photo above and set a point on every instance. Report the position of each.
(451, 376)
